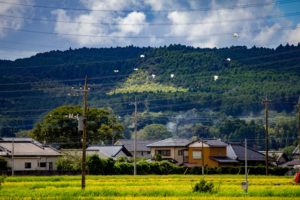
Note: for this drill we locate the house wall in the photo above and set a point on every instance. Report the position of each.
(173, 153)
(207, 152)
(19, 163)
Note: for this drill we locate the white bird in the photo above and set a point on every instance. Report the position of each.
(216, 77)
(228, 59)
(142, 56)
(235, 35)
(153, 75)
(172, 75)
(116, 70)
(136, 69)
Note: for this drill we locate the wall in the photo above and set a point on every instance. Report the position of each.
(19, 163)
(173, 153)
(207, 152)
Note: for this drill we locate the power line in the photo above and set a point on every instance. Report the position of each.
(138, 37)
(203, 9)
(292, 14)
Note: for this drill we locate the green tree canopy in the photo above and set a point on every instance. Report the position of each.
(154, 131)
(57, 127)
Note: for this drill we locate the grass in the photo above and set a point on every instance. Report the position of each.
(147, 187)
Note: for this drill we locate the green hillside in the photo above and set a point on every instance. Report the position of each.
(211, 82)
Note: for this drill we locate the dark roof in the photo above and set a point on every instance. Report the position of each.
(170, 142)
(223, 159)
(215, 143)
(110, 151)
(239, 151)
(291, 163)
(141, 144)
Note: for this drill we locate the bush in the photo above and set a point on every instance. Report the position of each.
(96, 165)
(69, 163)
(203, 186)
(123, 168)
(3, 164)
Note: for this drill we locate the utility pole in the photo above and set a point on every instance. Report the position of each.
(135, 135)
(298, 106)
(266, 102)
(12, 157)
(246, 166)
(202, 156)
(84, 135)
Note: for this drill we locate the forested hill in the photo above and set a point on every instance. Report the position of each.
(232, 81)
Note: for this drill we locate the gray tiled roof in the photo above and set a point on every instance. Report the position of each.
(25, 147)
(252, 155)
(223, 159)
(170, 142)
(141, 144)
(215, 143)
(110, 151)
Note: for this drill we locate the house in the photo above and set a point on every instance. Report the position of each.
(276, 157)
(142, 151)
(26, 154)
(173, 149)
(296, 152)
(295, 163)
(237, 152)
(113, 151)
(209, 153)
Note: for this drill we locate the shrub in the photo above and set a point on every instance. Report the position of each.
(69, 163)
(96, 165)
(3, 164)
(109, 167)
(203, 186)
(123, 168)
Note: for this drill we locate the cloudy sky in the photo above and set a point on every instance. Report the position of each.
(31, 26)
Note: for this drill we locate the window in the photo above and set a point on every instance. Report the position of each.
(28, 165)
(163, 152)
(43, 164)
(180, 152)
(197, 155)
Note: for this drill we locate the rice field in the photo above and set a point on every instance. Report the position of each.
(147, 187)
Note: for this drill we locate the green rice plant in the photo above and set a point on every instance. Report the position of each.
(203, 186)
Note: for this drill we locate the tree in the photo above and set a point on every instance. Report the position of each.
(154, 131)
(58, 127)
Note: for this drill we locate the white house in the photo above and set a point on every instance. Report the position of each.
(113, 152)
(26, 154)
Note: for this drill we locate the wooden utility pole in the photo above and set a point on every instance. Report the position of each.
(84, 135)
(202, 145)
(12, 157)
(246, 166)
(266, 102)
(298, 107)
(135, 135)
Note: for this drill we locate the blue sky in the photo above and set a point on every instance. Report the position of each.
(28, 27)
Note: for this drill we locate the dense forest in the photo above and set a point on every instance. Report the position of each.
(198, 92)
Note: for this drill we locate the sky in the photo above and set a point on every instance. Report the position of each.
(28, 27)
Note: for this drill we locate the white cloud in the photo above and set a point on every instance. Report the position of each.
(210, 28)
(11, 9)
(128, 22)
